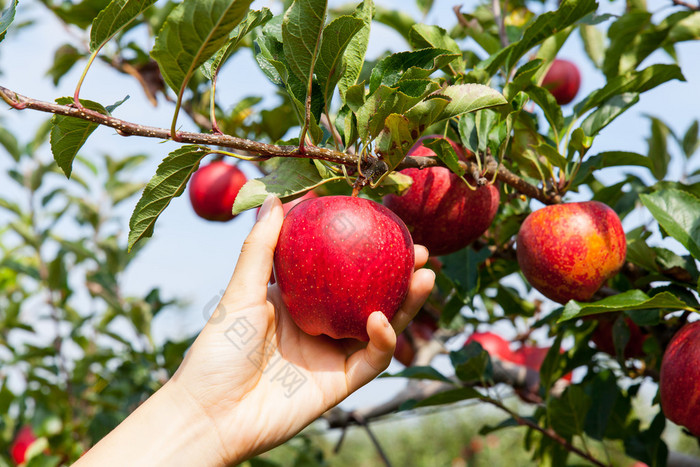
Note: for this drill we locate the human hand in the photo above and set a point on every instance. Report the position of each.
(252, 379)
(252, 366)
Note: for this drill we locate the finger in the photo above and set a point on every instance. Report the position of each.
(252, 273)
(418, 291)
(364, 365)
(421, 254)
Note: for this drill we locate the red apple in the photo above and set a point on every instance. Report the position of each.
(440, 210)
(25, 438)
(494, 344)
(562, 80)
(340, 258)
(568, 251)
(679, 381)
(532, 357)
(603, 336)
(404, 351)
(213, 189)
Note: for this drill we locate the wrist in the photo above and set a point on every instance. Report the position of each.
(170, 428)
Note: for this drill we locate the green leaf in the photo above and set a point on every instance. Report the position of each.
(446, 153)
(372, 114)
(330, 65)
(422, 36)
(568, 412)
(9, 142)
(658, 148)
(113, 18)
(419, 372)
(468, 98)
(193, 32)
(552, 111)
(593, 43)
(690, 141)
(636, 81)
(686, 29)
(357, 48)
(63, 60)
(626, 301)
(614, 159)
(472, 363)
(395, 139)
(622, 34)
(288, 178)
(169, 182)
(8, 15)
(301, 36)
(678, 213)
(68, 134)
(253, 20)
(607, 112)
(546, 25)
(418, 64)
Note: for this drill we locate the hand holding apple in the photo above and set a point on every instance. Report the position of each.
(252, 366)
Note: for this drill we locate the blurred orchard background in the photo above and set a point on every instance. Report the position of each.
(183, 270)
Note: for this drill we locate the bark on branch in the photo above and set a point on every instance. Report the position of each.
(262, 150)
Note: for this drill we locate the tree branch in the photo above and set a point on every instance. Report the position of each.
(687, 5)
(264, 150)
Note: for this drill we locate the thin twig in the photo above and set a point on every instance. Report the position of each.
(687, 5)
(124, 128)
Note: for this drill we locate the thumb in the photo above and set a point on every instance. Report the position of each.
(254, 266)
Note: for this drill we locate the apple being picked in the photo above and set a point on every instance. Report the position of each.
(340, 258)
(563, 80)
(25, 438)
(440, 210)
(679, 380)
(213, 189)
(568, 251)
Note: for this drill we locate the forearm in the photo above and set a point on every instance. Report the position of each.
(167, 429)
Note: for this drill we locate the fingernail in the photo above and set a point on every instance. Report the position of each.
(265, 208)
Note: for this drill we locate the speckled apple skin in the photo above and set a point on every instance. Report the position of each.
(213, 189)
(339, 259)
(568, 251)
(441, 211)
(563, 80)
(679, 380)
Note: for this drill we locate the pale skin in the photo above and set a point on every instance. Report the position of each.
(233, 397)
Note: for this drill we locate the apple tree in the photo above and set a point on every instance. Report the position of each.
(492, 81)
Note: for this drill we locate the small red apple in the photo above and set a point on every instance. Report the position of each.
(340, 258)
(563, 80)
(213, 189)
(494, 344)
(440, 210)
(568, 251)
(25, 438)
(603, 336)
(532, 357)
(679, 380)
